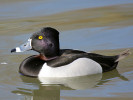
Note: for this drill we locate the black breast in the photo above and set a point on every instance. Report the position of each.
(31, 66)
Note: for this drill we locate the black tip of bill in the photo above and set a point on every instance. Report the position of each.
(13, 50)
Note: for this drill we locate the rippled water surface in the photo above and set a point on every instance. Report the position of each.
(100, 26)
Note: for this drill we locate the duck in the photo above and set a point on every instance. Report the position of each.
(55, 62)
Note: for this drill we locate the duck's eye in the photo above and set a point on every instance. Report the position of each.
(40, 37)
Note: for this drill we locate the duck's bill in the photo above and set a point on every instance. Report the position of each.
(24, 47)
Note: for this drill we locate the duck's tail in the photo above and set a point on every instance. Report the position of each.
(122, 55)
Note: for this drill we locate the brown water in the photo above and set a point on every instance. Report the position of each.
(99, 26)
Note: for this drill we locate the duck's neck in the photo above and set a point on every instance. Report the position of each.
(43, 57)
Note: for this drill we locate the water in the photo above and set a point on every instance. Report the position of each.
(98, 26)
(28, 8)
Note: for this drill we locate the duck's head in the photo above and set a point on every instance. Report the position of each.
(45, 41)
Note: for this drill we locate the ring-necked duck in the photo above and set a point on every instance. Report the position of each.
(56, 62)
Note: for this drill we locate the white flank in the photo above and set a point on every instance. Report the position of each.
(79, 67)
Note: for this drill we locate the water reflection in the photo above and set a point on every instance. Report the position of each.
(77, 83)
(108, 76)
(50, 88)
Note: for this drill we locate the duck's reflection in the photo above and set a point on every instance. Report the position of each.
(49, 88)
(83, 82)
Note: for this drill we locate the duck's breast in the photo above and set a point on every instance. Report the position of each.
(79, 67)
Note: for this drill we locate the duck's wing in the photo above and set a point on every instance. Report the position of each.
(107, 62)
(68, 56)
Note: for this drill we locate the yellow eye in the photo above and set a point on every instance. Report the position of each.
(40, 37)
